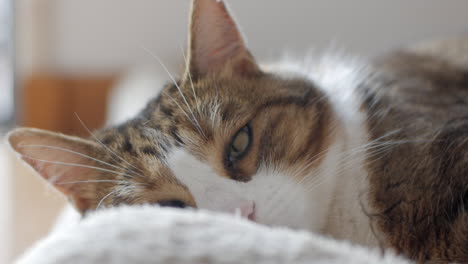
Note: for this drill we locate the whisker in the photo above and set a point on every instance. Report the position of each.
(282, 203)
(358, 149)
(105, 197)
(183, 111)
(178, 88)
(73, 152)
(213, 112)
(346, 160)
(91, 181)
(273, 198)
(76, 165)
(190, 77)
(107, 148)
(117, 189)
(276, 200)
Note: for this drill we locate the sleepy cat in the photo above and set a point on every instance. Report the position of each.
(375, 153)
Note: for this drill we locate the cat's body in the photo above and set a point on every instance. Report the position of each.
(419, 187)
(405, 138)
(375, 153)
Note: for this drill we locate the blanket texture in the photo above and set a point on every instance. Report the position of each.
(150, 234)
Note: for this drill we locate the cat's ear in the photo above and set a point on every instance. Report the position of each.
(215, 42)
(59, 159)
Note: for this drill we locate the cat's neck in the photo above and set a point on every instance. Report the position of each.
(348, 214)
(348, 210)
(345, 196)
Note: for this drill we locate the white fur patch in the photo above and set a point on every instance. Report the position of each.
(279, 200)
(268, 191)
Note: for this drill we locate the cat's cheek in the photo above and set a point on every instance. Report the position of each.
(271, 197)
(280, 201)
(210, 191)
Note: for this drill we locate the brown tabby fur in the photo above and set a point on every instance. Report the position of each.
(274, 106)
(419, 188)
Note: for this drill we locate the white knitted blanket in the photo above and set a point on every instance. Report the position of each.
(149, 234)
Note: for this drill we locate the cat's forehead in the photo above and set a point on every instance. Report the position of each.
(229, 97)
(262, 86)
(201, 117)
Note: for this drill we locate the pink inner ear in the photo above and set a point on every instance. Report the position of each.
(51, 155)
(64, 177)
(216, 39)
(61, 176)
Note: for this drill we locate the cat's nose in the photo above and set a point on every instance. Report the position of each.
(247, 210)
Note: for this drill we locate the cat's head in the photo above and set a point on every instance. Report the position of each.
(226, 136)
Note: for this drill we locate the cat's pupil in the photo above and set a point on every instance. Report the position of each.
(172, 203)
(240, 143)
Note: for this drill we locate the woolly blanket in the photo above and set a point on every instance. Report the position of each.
(150, 234)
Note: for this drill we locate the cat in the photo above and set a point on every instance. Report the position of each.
(371, 152)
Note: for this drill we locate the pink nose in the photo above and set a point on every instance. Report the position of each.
(247, 210)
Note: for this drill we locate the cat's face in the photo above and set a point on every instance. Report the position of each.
(226, 137)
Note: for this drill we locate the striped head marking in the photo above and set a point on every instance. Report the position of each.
(226, 136)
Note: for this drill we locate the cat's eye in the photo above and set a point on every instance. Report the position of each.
(172, 203)
(240, 144)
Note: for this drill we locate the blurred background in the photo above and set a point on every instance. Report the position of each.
(60, 57)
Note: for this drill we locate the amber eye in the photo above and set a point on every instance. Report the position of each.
(172, 203)
(240, 144)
